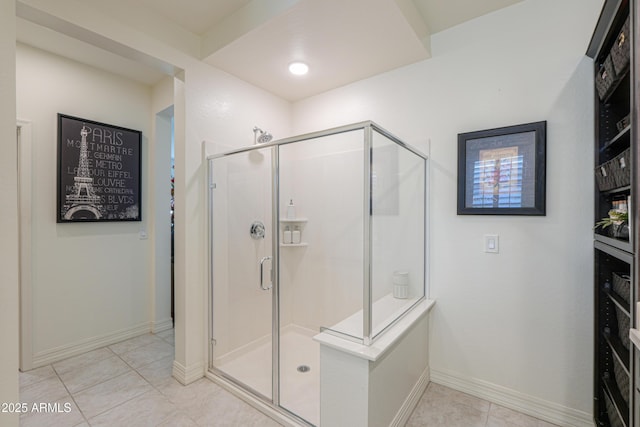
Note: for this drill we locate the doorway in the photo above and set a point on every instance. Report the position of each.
(163, 210)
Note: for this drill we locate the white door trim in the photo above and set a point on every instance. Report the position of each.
(24, 141)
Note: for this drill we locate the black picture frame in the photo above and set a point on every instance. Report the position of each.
(502, 171)
(99, 172)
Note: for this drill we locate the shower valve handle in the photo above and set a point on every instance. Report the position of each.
(270, 285)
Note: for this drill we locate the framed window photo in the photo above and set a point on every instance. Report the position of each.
(503, 171)
(98, 172)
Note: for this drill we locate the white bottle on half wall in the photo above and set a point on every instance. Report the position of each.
(401, 284)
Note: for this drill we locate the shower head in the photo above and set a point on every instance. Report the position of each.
(263, 138)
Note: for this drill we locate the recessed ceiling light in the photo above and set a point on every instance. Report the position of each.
(298, 68)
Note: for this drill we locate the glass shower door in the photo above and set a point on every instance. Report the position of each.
(241, 271)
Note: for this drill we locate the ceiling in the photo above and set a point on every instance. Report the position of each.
(342, 41)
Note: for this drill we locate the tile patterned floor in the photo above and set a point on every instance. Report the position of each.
(130, 384)
(440, 406)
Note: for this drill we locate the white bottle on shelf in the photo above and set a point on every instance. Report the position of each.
(287, 236)
(291, 210)
(295, 236)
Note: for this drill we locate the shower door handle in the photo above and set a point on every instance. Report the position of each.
(262, 275)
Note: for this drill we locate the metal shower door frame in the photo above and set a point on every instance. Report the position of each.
(368, 127)
(275, 298)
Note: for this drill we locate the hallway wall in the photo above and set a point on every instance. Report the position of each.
(90, 281)
(221, 111)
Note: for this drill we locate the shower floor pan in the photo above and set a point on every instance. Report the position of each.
(299, 386)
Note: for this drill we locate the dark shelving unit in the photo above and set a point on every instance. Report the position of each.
(616, 184)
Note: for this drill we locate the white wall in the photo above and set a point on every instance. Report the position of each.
(8, 215)
(90, 281)
(518, 322)
(209, 105)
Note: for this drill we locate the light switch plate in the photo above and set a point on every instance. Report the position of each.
(142, 235)
(491, 243)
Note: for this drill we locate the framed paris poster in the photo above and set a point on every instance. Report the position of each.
(98, 171)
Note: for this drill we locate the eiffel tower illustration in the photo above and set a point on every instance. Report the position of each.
(83, 202)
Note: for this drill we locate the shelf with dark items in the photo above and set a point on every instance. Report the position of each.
(618, 301)
(616, 80)
(621, 139)
(618, 349)
(617, 409)
(616, 243)
(614, 132)
(614, 315)
(625, 189)
(613, 367)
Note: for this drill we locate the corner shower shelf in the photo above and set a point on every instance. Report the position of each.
(293, 220)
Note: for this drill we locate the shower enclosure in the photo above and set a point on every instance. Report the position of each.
(321, 232)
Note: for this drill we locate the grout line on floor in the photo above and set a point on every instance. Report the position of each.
(84, 417)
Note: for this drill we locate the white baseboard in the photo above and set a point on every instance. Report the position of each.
(161, 325)
(187, 375)
(530, 405)
(57, 354)
(412, 400)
